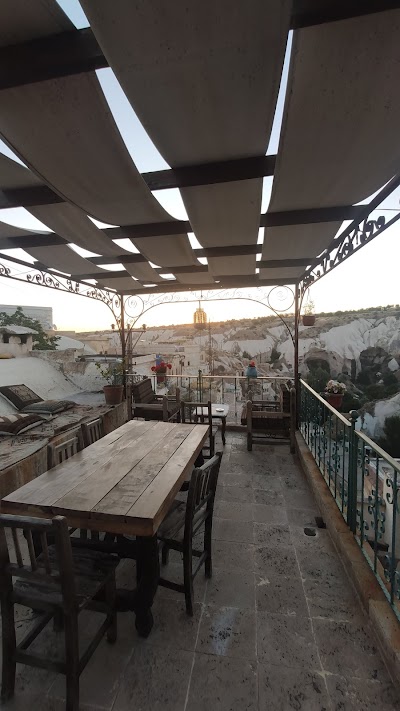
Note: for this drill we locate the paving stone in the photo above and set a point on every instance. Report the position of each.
(233, 556)
(320, 565)
(267, 483)
(155, 679)
(173, 627)
(228, 632)
(280, 594)
(236, 478)
(269, 498)
(286, 640)
(280, 560)
(333, 600)
(99, 682)
(348, 649)
(269, 514)
(301, 517)
(225, 530)
(222, 683)
(300, 498)
(235, 493)
(231, 589)
(174, 572)
(362, 695)
(234, 510)
(320, 542)
(283, 689)
(272, 535)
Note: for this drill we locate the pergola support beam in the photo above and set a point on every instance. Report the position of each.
(77, 51)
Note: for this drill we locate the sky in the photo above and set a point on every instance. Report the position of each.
(368, 278)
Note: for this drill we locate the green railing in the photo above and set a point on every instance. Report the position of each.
(364, 481)
(225, 389)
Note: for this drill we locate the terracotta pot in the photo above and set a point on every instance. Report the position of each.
(308, 319)
(161, 376)
(113, 394)
(334, 399)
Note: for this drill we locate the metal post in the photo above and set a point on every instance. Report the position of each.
(296, 351)
(122, 332)
(352, 475)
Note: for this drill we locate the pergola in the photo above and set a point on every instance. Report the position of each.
(203, 79)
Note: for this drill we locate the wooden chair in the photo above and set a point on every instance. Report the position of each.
(146, 404)
(58, 453)
(189, 414)
(92, 431)
(267, 419)
(185, 520)
(58, 582)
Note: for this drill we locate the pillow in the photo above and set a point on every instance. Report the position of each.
(49, 407)
(17, 424)
(19, 395)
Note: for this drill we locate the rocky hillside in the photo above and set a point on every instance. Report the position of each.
(362, 349)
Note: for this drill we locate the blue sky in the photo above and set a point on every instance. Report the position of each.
(368, 278)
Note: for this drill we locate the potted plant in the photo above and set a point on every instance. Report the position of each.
(333, 393)
(309, 315)
(113, 373)
(160, 370)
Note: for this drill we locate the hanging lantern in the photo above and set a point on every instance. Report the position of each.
(200, 319)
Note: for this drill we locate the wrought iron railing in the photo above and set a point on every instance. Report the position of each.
(364, 481)
(221, 389)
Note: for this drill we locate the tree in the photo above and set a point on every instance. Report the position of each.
(41, 342)
(246, 354)
(390, 441)
(275, 355)
(317, 379)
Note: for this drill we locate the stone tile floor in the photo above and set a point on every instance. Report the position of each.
(277, 627)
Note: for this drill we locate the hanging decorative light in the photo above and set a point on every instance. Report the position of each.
(200, 318)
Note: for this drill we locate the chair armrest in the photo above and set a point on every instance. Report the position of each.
(147, 406)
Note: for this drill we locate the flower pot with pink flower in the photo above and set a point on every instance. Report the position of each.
(333, 393)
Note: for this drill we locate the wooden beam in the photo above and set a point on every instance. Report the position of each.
(59, 55)
(101, 275)
(241, 282)
(314, 12)
(77, 51)
(152, 229)
(32, 240)
(310, 216)
(283, 263)
(211, 173)
(192, 175)
(28, 197)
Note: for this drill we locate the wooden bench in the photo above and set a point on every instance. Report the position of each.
(267, 419)
(146, 404)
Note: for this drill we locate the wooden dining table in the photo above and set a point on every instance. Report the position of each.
(122, 485)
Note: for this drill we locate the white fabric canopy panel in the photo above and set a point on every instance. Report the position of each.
(63, 129)
(339, 137)
(214, 71)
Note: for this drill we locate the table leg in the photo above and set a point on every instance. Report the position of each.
(223, 428)
(148, 566)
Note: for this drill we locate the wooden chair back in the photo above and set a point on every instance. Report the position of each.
(92, 431)
(57, 571)
(59, 453)
(143, 392)
(189, 413)
(201, 494)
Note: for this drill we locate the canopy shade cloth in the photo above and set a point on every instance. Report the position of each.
(203, 78)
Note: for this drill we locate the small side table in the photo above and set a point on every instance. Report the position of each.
(218, 412)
